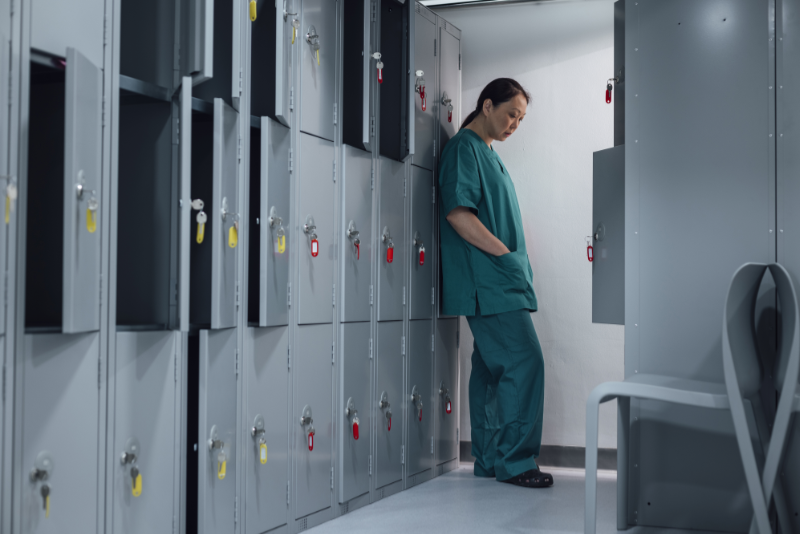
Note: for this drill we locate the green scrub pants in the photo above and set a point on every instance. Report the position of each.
(506, 394)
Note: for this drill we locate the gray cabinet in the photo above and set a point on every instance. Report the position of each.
(420, 244)
(317, 38)
(445, 385)
(357, 236)
(266, 427)
(389, 399)
(419, 398)
(391, 237)
(608, 236)
(354, 406)
(315, 230)
(425, 61)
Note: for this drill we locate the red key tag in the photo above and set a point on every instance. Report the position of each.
(590, 253)
(358, 251)
(390, 424)
(355, 429)
(314, 248)
(424, 103)
(390, 255)
(380, 72)
(448, 408)
(310, 441)
(450, 116)
(422, 256)
(420, 416)
(608, 94)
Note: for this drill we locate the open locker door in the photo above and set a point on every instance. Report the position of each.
(283, 58)
(199, 41)
(82, 180)
(225, 235)
(185, 145)
(6, 180)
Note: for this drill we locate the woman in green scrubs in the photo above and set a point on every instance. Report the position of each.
(488, 278)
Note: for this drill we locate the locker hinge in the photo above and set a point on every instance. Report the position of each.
(370, 465)
(434, 48)
(175, 366)
(374, 12)
(433, 296)
(333, 352)
(99, 371)
(239, 149)
(433, 195)
(434, 150)
(370, 294)
(237, 294)
(334, 171)
(105, 30)
(240, 82)
(370, 351)
(372, 180)
(236, 510)
(289, 294)
(403, 455)
(236, 364)
(288, 491)
(291, 99)
(372, 126)
(404, 295)
(431, 444)
(333, 296)
(335, 114)
(291, 161)
(403, 345)
(289, 358)
(459, 61)
(405, 187)
(433, 343)
(331, 477)
(4, 378)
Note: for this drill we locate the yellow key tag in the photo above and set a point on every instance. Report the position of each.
(263, 453)
(8, 209)
(233, 237)
(253, 10)
(281, 244)
(91, 220)
(136, 485)
(201, 232)
(221, 469)
(317, 56)
(47, 506)
(294, 33)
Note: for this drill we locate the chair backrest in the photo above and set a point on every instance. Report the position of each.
(738, 327)
(789, 346)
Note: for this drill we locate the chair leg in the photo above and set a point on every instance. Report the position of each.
(623, 441)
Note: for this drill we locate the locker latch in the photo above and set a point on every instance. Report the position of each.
(420, 248)
(92, 204)
(216, 444)
(609, 88)
(419, 88)
(11, 196)
(310, 230)
(258, 432)
(384, 405)
(42, 468)
(589, 248)
(416, 399)
(313, 39)
(446, 101)
(202, 219)
(307, 421)
(280, 234)
(377, 57)
(387, 240)
(443, 391)
(130, 456)
(353, 235)
(352, 415)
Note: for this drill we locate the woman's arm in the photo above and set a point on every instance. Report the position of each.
(472, 230)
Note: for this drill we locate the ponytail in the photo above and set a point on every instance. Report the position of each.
(497, 91)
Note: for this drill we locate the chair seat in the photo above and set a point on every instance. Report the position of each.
(664, 388)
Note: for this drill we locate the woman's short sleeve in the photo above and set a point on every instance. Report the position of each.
(459, 179)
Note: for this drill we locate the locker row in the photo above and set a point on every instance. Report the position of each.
(222, 270)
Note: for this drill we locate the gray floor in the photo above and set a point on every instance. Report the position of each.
(460, 502)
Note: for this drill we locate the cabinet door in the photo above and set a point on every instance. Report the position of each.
(317, 40)
(186, 212)
(267, 409)
(357, 217)
(391, 223)
(225, 208)
(445, 383)
(389, 387)
(198, 36)
(358, 73)
(425, 61)
(82, 194)
(216, 440)
(396, 91)
(420, 382)
(420, 292)
(271, 54)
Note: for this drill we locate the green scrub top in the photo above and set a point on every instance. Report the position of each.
(472, 175)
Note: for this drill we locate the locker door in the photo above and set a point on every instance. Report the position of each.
(418, 388)
(424, 60)
(397, 50)
(225, 234)
(390, 398)
(146, 425)
(82, 180)
(359, 74)
(283, 55)
(391, 231)
(313, 390)
(317, 33)
(356, 227)
(216, 440)
(267, 411)
(445, 382)
(60, 408)
(5, 169)
(354, 406)
(271, 53)
(316, 210)
(449, 82)
(57, 26)
(198, 62)
(420, 293)
(186, 212)
(275, 185)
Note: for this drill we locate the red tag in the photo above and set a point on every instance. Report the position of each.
(449, 116)
(608, 96)
(355, 430)
(590, 252)
(422, 257)
(380, 75)
(358, 251)
(390, 255)
(448, 408)
(422, 92)
(314, 248)
(311, 442)
(424, 103)
(390, 424)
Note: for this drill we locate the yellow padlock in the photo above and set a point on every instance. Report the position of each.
(136, 485)
(221, 469)
(233, 237)
(8, 208)
(253, 10)
(263, 453)
(91, 220)
(281, 244)
(201, 232)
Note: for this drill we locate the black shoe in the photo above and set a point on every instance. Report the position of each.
(533, 478)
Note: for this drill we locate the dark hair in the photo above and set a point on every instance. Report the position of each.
(498, 91)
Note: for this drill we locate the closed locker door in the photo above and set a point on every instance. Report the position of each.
(420, 293)
(187, 213)
(82, 181)
(311, 423)
(317, 40)
(57, 26)
(275, 214)
(419, 397)
(425, 87)
(315, 225)
(391, 240)
(449, 97)
(216, 440)
(5, 169)
(445, 382)
(225, 234)
(357, 235)
(266, 428)
(390, 398)
(146, 432)
(60, 455)
(354, 410)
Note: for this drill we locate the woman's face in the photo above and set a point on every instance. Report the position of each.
(504, 119)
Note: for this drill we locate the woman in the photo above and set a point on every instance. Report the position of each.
(488, 278)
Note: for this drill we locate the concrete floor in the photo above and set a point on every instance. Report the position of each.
(460, 502)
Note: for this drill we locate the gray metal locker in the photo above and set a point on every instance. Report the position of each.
(420, 243)
(315, 231)
(449, 98)
(391, 236)
(445, 385)
(419, 397)
(389, 398)
(312, 360)
(357, 235)
(354, 406)
(216, 439)
(57, 26)
(271, 59)
(147, 432)
(425, 85)
(317, 37)
(608, 236)
(60, 441)
(267, 410)
(274, 227)
(359, 68)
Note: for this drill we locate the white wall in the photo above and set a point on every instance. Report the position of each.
(562, 53)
